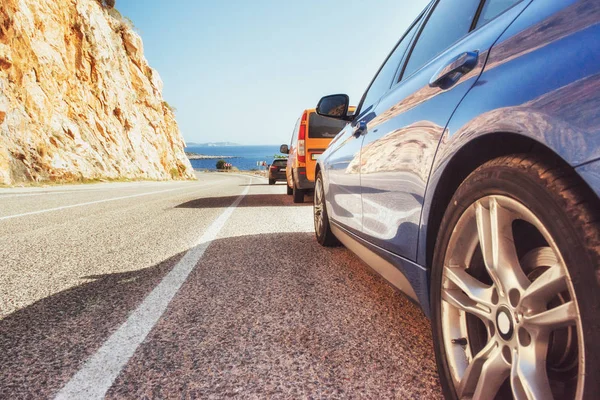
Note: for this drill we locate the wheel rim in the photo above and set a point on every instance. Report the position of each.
(509, 314)
(318, 206)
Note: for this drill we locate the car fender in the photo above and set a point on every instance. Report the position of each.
(540, 90)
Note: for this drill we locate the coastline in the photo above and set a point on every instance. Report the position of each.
(195, 156)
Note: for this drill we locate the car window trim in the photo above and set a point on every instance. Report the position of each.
(474, 26)
(477, 15)
(396, 79)
(418, 36)
(359, 111)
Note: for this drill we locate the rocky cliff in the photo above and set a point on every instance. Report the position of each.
(78, 99)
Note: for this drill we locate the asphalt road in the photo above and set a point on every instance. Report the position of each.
(207, 289)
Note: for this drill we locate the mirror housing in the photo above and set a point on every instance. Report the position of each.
(283, 149)
(334, 106)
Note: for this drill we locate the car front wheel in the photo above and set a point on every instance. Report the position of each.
(515, 284)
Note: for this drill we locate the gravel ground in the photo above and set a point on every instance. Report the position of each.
(265, 313)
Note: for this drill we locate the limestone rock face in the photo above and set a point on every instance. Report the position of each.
(78, 99)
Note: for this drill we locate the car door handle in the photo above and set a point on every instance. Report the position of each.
(449, 74)
(360, 128)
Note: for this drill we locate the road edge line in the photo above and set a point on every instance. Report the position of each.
(97, 375)
(89, 203)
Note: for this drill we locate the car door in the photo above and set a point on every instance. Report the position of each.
(344, 196)
(343, 181)
(402, 136)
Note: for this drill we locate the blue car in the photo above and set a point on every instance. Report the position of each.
(469, 178)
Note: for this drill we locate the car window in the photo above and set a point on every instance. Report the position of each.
(449, 21)
(280, 162)
(386, 74)
(492, 8)
(320, 127)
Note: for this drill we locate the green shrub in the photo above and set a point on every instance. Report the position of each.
(221, 164)
(166, 104)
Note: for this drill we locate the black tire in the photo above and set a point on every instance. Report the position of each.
(271, 181)
(298, 195)
(323, 234)
(570, 213)
(290, 191)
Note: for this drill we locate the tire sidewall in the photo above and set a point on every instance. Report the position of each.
(548, 207)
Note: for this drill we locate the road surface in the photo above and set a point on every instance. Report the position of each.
(206, 289)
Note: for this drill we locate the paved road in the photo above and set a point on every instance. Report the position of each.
(205, 289)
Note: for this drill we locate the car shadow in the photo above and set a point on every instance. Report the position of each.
(250, 200)
(44, 344)
(264, 184)
(257, 309)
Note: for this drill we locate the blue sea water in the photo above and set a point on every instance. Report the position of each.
(247, 156)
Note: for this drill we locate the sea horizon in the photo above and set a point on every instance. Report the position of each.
(243, 157)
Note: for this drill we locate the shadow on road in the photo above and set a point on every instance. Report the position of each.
(264, 184)
(278, 316)
(250, 200)
(43, 345)
(272, 315)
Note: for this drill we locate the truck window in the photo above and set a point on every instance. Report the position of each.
(320, 127)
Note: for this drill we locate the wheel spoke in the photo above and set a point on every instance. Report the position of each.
(494, 227)
(485, 374)
(558, 317)
(528, 375)
(318, 212)
(472, 296)
(545, 287)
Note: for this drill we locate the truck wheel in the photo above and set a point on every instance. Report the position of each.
(298, 195)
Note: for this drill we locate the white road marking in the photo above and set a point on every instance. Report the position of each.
(99, 372)
(96, 202)
(8, 196)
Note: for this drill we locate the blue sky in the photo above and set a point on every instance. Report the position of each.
(243, 71)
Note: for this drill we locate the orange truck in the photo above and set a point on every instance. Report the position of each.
(310, 138)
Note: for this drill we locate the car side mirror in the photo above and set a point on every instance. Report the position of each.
(334, 106)
(283, 149)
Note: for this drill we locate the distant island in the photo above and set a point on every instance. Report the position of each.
(211, 144)
(196, 156)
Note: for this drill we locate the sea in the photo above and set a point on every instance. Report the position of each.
(246, 157)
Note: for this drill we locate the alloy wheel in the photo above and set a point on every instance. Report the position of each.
(509, 314)
(318, 206)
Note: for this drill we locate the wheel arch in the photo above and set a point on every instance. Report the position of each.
(447, 178)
